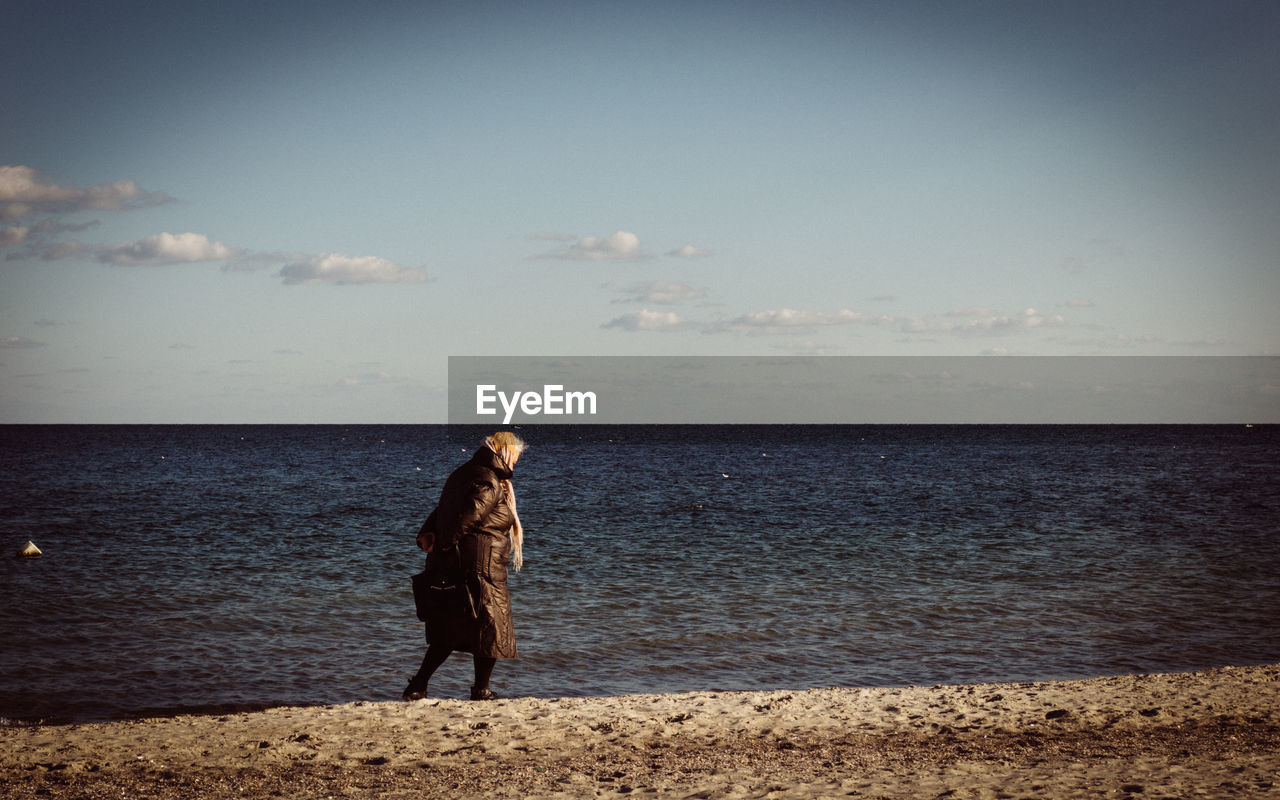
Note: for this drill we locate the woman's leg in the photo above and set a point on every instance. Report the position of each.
(484, 670)
(436, 655)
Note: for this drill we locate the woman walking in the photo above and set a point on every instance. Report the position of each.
(474, 529)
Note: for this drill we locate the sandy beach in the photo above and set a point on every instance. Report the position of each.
(1213, 733)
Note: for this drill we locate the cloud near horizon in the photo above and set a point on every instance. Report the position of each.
(790, 320)
(646, 320)
(984, 322)
(618, 246)
(689, 251)
(170, 249)
(342, 269)
(167, 248)
(24, 192)
(662, 292)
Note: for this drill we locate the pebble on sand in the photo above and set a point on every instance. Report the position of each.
(29, 551)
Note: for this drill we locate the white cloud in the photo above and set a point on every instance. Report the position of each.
(662, 292)
(618, 246)
(1030, 318)
(1079, 302)
(983, 321)
(333, 268)
(344, 269)
(189, 248)
(970, 321)
(167, 248)
(689, 251)
(790, 318)
(646, 320)
(786, 320)
(24, 191)
(19, 343)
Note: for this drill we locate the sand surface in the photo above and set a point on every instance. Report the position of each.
(1214, 733)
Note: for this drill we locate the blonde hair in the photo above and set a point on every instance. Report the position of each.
(505, 440)
(508, 447)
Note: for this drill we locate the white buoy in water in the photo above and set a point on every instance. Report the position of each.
(30, 551)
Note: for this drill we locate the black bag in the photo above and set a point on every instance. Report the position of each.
(440, 590)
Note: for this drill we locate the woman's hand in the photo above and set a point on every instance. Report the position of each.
(426, 542)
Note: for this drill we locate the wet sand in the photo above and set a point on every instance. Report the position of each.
(1213, 733)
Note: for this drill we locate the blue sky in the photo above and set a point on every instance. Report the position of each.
(295, 212)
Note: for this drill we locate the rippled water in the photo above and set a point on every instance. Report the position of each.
(213, 566)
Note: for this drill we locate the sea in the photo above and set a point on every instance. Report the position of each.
(212, 568)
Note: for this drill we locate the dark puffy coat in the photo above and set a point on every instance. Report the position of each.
(471, 522)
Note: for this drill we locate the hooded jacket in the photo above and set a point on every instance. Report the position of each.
(470, 524)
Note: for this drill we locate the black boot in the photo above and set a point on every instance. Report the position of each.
(484, 694)
(415, 691)
(417, 688)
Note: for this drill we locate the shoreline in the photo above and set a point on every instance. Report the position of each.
(1212, 733)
